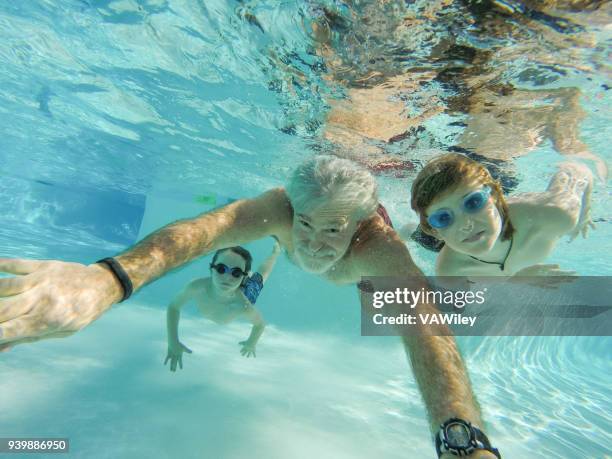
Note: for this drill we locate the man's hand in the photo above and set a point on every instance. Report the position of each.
(51, 299)
(175, 354)
(248, 349)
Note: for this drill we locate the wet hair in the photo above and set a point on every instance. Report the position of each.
(329, 178)
(244, 253)
(448, 172)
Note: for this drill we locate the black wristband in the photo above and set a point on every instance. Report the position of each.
(121, 276)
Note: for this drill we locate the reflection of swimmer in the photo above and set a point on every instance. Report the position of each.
(460, 204)
(368, 120)
(503, 125)
(386, 103)
(228, 294)
(327, 222)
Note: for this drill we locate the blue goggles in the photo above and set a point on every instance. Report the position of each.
(222, 269)
(472, 203)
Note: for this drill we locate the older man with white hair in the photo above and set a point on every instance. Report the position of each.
(328, 221)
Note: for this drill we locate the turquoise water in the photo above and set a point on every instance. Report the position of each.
(118, 117)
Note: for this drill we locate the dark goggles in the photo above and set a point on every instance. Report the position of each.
(472, 203)
(222, 269)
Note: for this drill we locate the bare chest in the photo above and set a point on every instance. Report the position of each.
(527, 250)
(221, 312)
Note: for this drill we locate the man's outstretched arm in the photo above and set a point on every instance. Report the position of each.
(180, 242)
(436, 362)
(50, 299)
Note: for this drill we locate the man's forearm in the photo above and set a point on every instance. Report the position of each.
(180, 242)
(432, 351)
(440, 373)
(442, 379)
(168, 248)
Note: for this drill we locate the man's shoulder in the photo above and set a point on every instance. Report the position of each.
(377, 250)
(273, 204)
(275, 196)
(371, 232)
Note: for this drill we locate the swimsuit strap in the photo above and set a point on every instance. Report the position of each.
(501, 265)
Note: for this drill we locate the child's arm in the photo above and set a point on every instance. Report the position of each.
(564, 129)
(565, 206)
(268, 264)
(568, 197)
(173, 315)
(248, 346)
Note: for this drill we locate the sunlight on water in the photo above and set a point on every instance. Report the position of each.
(118, 117)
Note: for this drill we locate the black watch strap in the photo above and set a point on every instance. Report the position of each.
(121, 276)
(482, 440)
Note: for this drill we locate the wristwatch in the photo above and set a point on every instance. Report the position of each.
(461, 438)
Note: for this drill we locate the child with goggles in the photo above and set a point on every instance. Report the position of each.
(460, 204)
(228, 294)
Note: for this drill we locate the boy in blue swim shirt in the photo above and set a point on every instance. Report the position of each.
(228, 294)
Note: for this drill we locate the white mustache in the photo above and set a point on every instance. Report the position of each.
(319, 254)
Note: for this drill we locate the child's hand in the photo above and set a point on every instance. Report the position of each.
(248, 349)
(583, 186)
(582, 227)
(277, 246)
(175, 354)
(584, 222)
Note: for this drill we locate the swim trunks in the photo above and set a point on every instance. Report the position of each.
(399, 168)
(427, 241)
(385, 216)
(252, 287)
